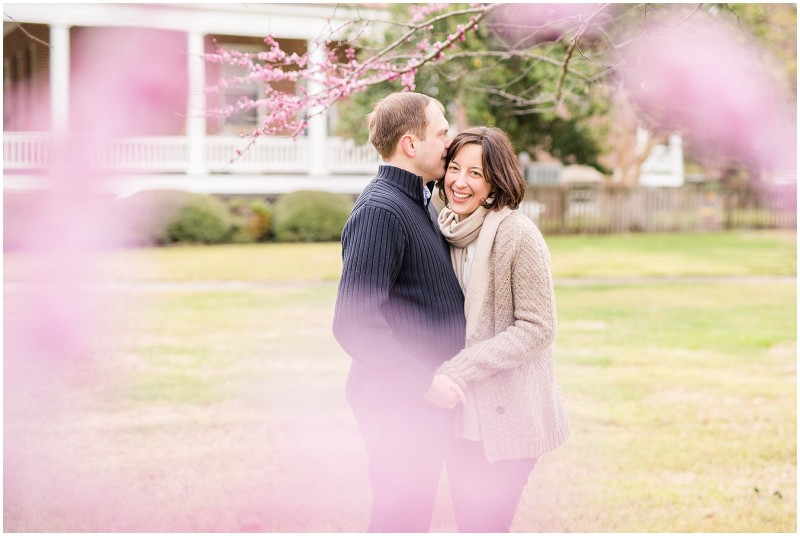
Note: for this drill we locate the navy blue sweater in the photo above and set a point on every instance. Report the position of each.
(400, 310)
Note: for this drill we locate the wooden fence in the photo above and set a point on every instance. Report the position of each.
(704, 207)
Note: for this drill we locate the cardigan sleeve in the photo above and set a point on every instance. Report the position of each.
(373, 243)
(534, 313)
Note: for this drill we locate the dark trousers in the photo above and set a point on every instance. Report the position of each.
(406, 449)
(485, 495)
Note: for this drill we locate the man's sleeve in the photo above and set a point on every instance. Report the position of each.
(373, 242)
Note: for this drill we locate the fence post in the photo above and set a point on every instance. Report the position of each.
(563, 204)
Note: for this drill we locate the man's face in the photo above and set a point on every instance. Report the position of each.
(432, 150)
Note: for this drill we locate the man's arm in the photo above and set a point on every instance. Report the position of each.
(373, 242)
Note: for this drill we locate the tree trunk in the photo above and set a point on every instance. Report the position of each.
(627, 156)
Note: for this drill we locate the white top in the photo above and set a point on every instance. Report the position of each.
(468, 426)
(468, 263)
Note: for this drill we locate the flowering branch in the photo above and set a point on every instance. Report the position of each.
(332, 70)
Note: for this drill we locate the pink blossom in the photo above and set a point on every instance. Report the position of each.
(707, 82)
(521, 26)
(408, 79)
(420, 12)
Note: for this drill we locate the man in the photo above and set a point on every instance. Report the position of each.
(400, 314)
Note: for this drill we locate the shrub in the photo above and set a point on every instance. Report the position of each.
(311, 216)
(149, 213)
(204, 220)
(240, 214)
(251, 221)
(164, 216)
(259, 224)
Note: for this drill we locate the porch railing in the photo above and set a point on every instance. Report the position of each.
(27, 151)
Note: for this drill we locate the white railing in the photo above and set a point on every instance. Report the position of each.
(164, 154)
(25, 150)
(31, 151)
(267, 155)
(344, 156)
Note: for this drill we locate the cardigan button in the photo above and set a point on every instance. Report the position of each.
(500, 410)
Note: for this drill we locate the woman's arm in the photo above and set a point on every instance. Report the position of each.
(533, 303)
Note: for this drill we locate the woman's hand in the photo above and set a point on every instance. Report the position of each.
(444, 392)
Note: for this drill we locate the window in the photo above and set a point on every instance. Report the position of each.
(245, 120)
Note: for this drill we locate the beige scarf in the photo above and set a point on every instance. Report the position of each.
(482, 226)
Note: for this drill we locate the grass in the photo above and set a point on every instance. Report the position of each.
(220, 408)
(685, 405)
(698, 254)
(702, 254)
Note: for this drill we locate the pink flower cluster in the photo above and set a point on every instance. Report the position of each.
(317, 85)
(422, 11)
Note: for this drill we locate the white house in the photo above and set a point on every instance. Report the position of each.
(190, 151)
(185, 151)
(664, 165)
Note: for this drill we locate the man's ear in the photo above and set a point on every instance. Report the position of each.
(407, 145)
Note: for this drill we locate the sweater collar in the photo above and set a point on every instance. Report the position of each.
(409, 183)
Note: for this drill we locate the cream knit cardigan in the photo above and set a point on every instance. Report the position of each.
(508, 358)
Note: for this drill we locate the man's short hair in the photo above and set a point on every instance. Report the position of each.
(395, 115)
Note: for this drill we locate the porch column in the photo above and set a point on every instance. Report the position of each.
(59, 77)
(196, 105)
(317, 125)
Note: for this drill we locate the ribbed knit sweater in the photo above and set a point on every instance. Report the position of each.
(400, 310)
(508, 359)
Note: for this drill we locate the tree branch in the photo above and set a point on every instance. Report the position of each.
(665, 29)
(26, 32)
(481, 12)
(572, 46)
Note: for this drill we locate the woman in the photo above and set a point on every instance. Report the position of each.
(513, 411)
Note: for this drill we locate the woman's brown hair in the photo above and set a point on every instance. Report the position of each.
(500, 166)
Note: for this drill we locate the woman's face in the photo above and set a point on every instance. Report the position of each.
(465, 184)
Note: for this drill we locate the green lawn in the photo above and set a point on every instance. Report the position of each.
(732, 253)
(219, 407)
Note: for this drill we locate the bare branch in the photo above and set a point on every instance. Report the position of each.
(506, 55)
(587, 58)
(572, 46)
(26, 32)
(662, 30)
(516, 100)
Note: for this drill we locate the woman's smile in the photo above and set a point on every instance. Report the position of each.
(464, 181)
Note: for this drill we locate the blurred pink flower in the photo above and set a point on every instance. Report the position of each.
(56, 320)
(521, 26)
(123, 82)
(709, 83)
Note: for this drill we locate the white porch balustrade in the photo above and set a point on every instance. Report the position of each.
(30, 151)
